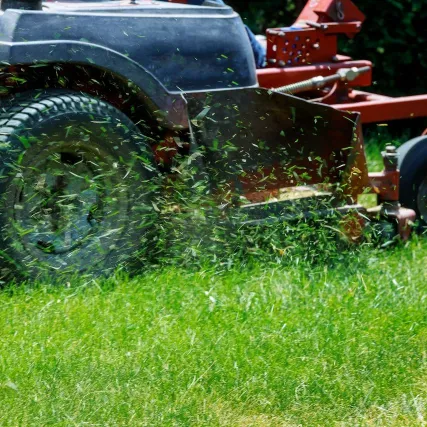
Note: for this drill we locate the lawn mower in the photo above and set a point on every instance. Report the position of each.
(99, 100)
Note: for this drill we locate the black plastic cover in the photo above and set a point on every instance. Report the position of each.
(185, 48)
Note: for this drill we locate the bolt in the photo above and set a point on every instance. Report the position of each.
(390, 157)
(348, 74)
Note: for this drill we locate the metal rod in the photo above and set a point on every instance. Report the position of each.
(344, 74)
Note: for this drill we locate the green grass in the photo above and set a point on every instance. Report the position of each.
(341, 342)
(259, 347)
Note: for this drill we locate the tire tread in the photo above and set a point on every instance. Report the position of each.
(31, 110)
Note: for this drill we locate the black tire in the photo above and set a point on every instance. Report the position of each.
(75, 185)
(413, 176)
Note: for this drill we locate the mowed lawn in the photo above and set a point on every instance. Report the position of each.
(340, 343)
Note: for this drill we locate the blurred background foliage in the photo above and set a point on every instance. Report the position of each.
(394, 37)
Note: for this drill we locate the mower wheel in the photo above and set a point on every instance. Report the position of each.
(413, 176)
(75, 185)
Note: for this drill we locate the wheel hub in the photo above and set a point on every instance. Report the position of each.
(65, 201)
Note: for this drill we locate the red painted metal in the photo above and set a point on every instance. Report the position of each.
(299, 46)
(386, 185)
(330, 11)
(361, 96)
(381, 109)
(404, 218)
(309, 49)
(314, 36)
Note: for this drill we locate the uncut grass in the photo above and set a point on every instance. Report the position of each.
(310, 332)
(264, 346)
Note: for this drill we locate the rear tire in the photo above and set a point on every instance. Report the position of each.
(75, 186)
(413, 176)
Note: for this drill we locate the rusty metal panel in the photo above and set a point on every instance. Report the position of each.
(260, 140)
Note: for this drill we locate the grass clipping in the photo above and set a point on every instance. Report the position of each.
(195, 229)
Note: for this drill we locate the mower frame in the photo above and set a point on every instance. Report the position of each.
(309, 49)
